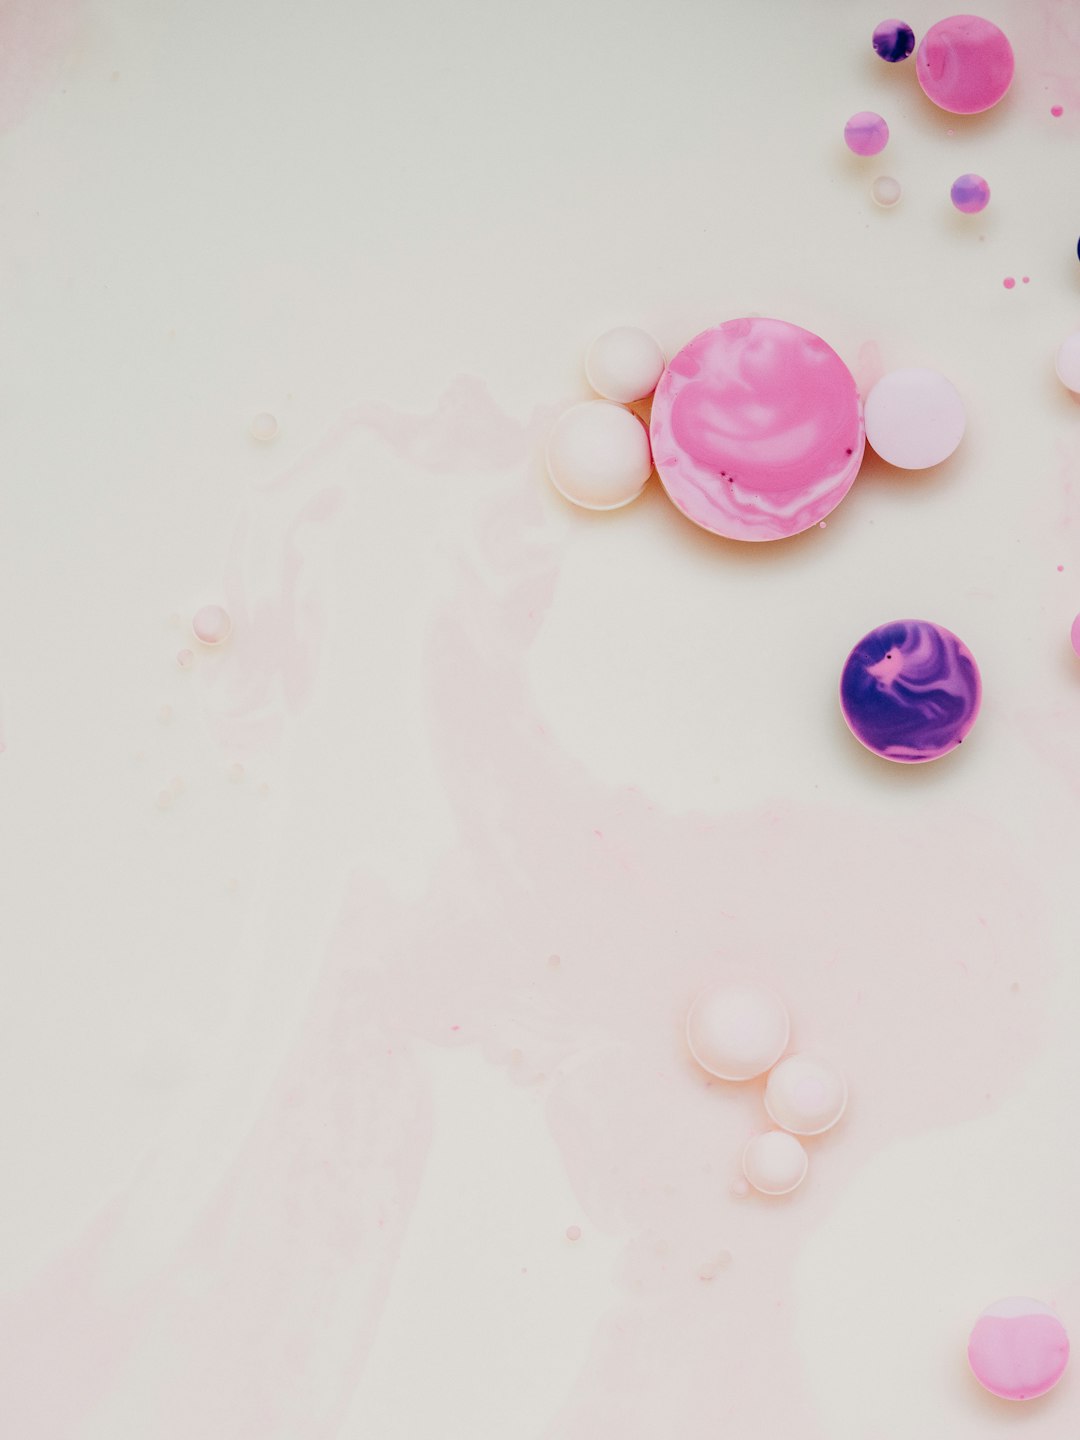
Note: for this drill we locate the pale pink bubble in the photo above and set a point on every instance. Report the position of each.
(185, 659)
(1009, 282)
(573, 1232)
(1074, 635)
(211, 624)
(1018, 1349)
(866, 133)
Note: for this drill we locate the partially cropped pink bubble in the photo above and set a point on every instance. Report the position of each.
(1018, 1349)
(866, 133)
(211, 624)
(1074, 633)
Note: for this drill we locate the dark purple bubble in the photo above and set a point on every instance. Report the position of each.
(910, 691)
(893, 40)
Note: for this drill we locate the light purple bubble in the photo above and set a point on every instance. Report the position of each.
(970, 194)
(866, 133)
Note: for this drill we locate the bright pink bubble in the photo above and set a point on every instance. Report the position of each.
(1018, 1349)
(1074, 633)
(1008, 282)
(1057, 110)
(757, 430)
(965, 64)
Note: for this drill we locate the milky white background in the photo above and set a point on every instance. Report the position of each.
(214, 209)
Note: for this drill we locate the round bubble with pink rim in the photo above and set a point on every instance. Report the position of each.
(757, 429)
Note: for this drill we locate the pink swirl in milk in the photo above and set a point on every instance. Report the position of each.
(757, 429)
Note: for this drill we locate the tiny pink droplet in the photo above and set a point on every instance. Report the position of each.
(1026, 279)
(1008, 282)
(185, 659)
(573, 1232)
(211, 624)
(1057, 110)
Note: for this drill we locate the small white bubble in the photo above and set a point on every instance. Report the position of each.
(264, 427)
(886, 191)
(164, 799)
(236, 773)
(165, 714)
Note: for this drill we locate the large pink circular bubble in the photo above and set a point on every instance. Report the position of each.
(757, 429)
(965, 64)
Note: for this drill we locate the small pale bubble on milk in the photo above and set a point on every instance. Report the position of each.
(573, 1232)
(185, 659)
(236, 773)
(165, 714)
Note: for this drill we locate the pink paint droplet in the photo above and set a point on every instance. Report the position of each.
(1074, 638)
(1057, 111)
(185, 659)
(1008, 282)
(1060, 568)
(1018, 1349)
(211, 624)
(573, 1232)
(1026, 279)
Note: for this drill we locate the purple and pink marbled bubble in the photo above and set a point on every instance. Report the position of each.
(910, 691)
(1018, 1349)
(757, 429)
(970, 194)
(893, 40)
(866, 133)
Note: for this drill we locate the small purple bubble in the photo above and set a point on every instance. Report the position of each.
(894, 40)
(970, 194)
(866, 133)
